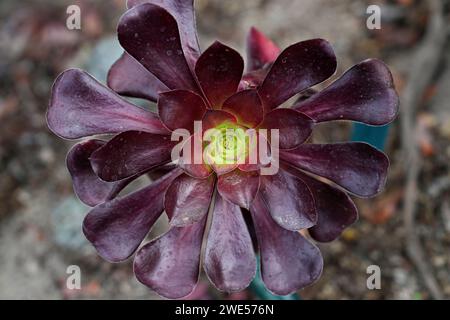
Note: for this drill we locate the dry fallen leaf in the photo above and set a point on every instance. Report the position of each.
(382, 209)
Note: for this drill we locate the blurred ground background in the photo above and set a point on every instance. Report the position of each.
(40, 219)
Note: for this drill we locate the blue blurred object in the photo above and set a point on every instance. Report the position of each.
(260, 291)
(375, 136)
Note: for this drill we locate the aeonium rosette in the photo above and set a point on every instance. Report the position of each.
(162, 63)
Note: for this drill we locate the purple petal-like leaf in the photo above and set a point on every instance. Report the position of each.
(188, 199)
(150, 34)
(117, 227)
(289, 201)
(192, 166)
(247, 167)
(294, 127)
(365, 93)
(180, 108)
(289, 262)
(239, 187)
(129, 78)
(297, 68)
(254, 161)
(80, 106)
(221, 169)
(214, 118)
(184, 14)
(130, 153)
(355, 166)
(335, 209)
(219, 71)
(230, 261)
(169, 264)
(246, 106)
(260, 50)
(199, 171)
(161, 171)
(87, 185)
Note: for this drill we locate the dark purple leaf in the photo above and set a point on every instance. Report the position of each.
(129, 78)
(219, 71)
(260, 50)
(130, 153)
(294, 127)
(355, 166)
(214, 118)
(184, 14)
(86, 184)
(297, 68)
(80, 106)
(289, 262)
(158, 172)
(335, 209)
(180, 108)
(199, 171)
(188, 199)
(257, 157)
(289, 201)
(117, 227)
(239, 187)
(364, 93)
(221, 169)
(150, 34)
(169, 264)
(230, 261)
(194, 165)
(246, 106)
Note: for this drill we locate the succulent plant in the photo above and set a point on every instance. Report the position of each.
(309, 190)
